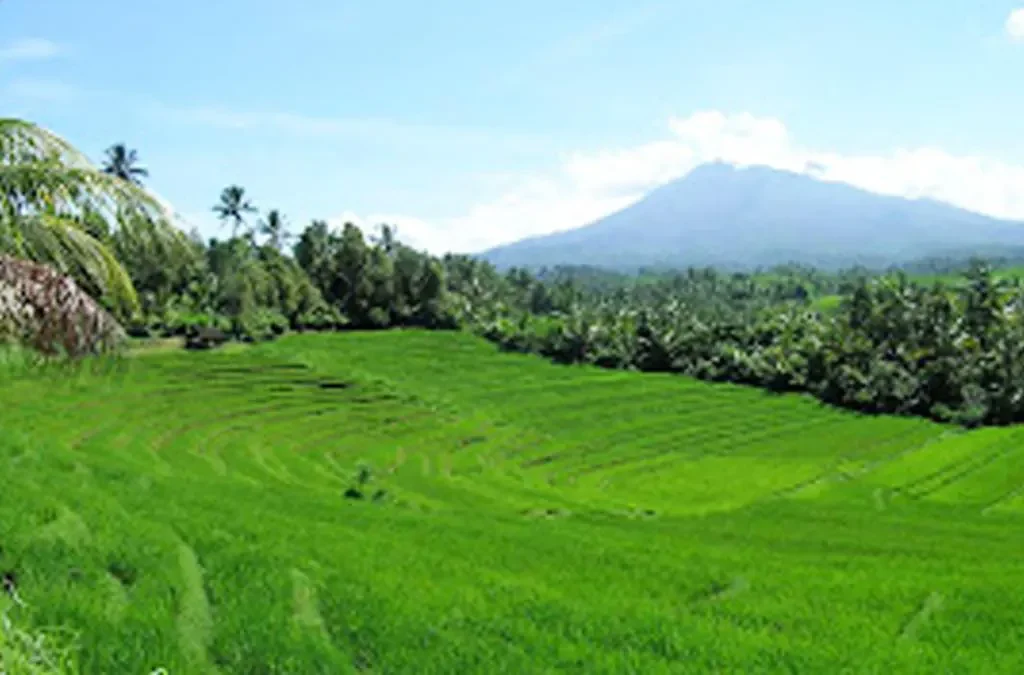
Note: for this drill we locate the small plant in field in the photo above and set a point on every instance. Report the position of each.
(361, 485)
(364, 474)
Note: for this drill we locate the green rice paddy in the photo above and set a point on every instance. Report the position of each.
(189, 512)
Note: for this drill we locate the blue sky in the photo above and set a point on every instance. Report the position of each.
(469, 123)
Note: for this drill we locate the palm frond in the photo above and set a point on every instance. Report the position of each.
(63, 244)
(49, 185)
(23, 141)
(48, 188)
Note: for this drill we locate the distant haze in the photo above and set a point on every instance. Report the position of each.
(722, 215)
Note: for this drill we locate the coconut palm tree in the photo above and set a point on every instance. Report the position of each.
(276, 229)
(232, 207)
(48, 190)
(123, 163)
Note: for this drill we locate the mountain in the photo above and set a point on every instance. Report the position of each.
(733, 217)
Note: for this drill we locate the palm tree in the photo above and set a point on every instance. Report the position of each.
(387, 237)
(122, 162)
(276, 229)
(48, 191)
(233, 206)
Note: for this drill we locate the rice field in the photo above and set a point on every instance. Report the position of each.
(413, 502)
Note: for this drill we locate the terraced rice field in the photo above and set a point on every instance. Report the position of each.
(187, 512)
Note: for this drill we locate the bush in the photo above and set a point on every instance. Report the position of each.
(320, 318)
(259, 325)
(183, 323)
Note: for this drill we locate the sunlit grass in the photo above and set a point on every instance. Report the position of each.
(24, 652)
(208, 512)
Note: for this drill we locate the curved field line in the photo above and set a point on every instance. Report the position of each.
(831, 472)
(694, 434)
(154, 402)
(929, 606)
(544, 399)
(653, 427)
(965, 474)
(1003, 499)
(960, 470)
(264, 427)
(195, 622)
(246, 410)
(305, 609)
(537, 400)
(648, 463)
(968, 453)
(551, 416)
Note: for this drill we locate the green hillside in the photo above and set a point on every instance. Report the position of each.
(188, 511)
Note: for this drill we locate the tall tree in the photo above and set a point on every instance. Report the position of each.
(50, 199)
(123, 163)
(275, 229)
(233, 207)
(314, 251)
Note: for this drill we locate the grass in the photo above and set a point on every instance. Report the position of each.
(28, 653)
(188, 512)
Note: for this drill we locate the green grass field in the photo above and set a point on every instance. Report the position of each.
(955, 279)
(187, 511)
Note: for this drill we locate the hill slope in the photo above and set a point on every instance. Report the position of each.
(743, 217)
(187, 511)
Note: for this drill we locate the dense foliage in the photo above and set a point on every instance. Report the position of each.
(890, 345)
(54, 203)
(953, 352)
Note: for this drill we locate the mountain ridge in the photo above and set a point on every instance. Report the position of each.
(743, 217)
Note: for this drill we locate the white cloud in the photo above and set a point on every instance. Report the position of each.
(1015, 24)
(412, 231)
(29, 49)
(590, 185)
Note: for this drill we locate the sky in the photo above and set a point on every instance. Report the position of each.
(468, 124)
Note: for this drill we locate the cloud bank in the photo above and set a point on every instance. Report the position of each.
(587, 186)
(1015, 25)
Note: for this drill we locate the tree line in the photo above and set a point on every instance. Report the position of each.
(951, 352)
(885, 344)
